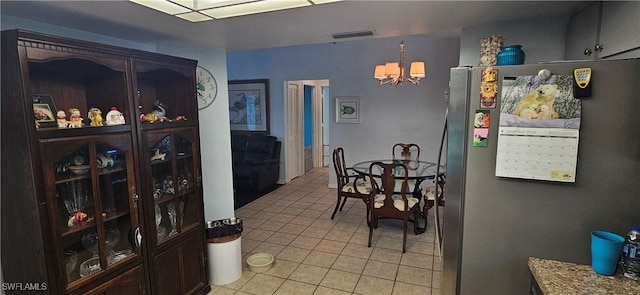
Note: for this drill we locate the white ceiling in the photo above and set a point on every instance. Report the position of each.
(306, 25)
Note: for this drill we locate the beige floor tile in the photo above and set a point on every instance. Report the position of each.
(293, 211)
(363, 239)
(283, 217)
(386, 255)
(295, 221)
(315, 232)
(374, 286)
(417, 260)
(295, 288)
(349, 263)
(271, 248)
(247, 244)
(264, 215)
(301, 204)
(414, 275)
(340, 280)
(303, 220)
(323, 222)
(281, 238)
(328, 291)
(271, 225)
(294, 229)
(321, 259)
(337, 235)
(355, 250)
(274, 208)
(312, 213)
(282, 268)
(217, 290)
(305, 242)
(258, 235)
(383, 270)
(436, 280)
(262, 284)
(390, 243)
(421, 248)
(330, 246)
(246, 276)
(309, 274)
(293, 254)
(401, 288)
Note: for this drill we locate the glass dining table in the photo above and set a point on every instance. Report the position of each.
(418, 171)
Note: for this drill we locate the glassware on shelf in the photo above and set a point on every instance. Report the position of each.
(90, 241)
(172, 217)
(70, 262)
(89, 266)
(75, 196)
(181, 213)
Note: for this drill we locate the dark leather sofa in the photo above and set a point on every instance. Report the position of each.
(256, 161)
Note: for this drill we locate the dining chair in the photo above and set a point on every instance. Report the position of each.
(385, 203)
(350, 183)
(405, 152)
(430, 199)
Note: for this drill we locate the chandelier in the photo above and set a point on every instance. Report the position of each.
(393, 73)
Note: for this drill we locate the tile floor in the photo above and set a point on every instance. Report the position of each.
(317, 255)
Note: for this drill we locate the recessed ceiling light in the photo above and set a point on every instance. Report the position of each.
(202, 10)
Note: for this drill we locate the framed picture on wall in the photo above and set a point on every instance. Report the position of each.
(348, 109)
(249, 105)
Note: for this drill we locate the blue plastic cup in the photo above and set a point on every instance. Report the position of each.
(606, 248)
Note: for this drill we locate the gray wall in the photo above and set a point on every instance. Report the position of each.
(406, 113)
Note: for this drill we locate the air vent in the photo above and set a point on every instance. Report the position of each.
(352, 34)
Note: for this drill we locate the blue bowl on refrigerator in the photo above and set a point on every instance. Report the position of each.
(511, 55)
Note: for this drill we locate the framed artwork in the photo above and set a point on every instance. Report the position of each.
(44, 111)
(348, 109)
(249, 105)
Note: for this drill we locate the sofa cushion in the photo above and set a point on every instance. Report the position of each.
(259, 148)
(238, 145)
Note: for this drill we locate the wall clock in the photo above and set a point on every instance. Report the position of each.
(206, 87)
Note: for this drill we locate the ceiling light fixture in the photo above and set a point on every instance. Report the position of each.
(393, 73)
(203, 10)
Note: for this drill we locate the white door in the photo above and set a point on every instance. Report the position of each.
(294, 155)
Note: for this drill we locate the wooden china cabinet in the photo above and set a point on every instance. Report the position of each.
(111, 206)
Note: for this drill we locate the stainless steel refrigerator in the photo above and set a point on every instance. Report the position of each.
(493, 224)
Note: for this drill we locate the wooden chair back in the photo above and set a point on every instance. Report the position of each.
(386, 203)
(406, 152)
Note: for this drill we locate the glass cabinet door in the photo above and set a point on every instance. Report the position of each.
(175, 173)
(92, 200)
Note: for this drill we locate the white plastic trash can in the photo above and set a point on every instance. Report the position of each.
(224, 254)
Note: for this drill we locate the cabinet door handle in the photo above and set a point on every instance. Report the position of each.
(198, 177)
(588, 51)
(598, 47)
(137, 237)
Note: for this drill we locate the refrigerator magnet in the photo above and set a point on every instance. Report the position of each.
(481, 119)
(489, 88)
(480, 137)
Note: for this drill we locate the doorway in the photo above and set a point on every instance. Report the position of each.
(306, 126)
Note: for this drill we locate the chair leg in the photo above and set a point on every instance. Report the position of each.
(336, 209)
(370, 234)
(344, 200)
(404, 235)
(416, 216)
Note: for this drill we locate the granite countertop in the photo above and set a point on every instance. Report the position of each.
(565, 278)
